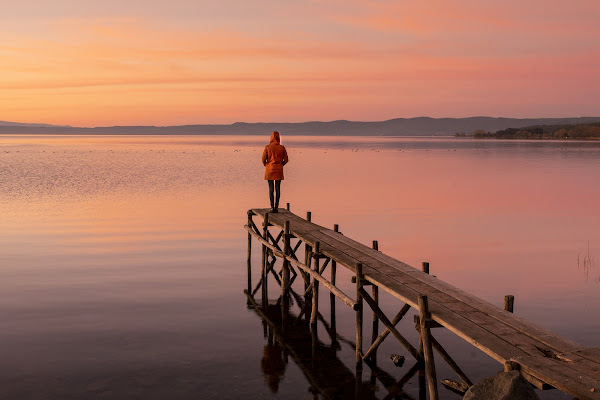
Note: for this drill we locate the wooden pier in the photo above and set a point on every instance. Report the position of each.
(544, 358)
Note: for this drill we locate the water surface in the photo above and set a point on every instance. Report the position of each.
(122, 259)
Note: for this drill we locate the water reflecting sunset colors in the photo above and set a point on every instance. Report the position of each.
(122, 259)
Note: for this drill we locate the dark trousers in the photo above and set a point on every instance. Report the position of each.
(274, 186)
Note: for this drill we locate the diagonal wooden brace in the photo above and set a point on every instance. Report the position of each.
(442, 352)
(296, 247)
(274, 242)
(278, 237)
(389, 325)
(385, 333)
(257, 287)
(253, 226)
(321, 270)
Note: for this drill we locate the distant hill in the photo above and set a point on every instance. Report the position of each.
(421, 126)
(6, 123)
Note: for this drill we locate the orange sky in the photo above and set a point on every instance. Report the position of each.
(184, 62)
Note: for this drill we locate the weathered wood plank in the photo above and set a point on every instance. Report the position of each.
(590, 353)
(562, 377)
(579, 363)
(279, 218)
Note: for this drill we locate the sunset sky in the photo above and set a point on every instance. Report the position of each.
(141, 62)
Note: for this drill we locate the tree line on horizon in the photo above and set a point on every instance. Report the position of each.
(549, 132)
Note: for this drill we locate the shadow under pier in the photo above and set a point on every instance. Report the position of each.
(325, 372)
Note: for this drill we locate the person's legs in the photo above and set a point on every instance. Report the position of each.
(271, 187)
(277, 193)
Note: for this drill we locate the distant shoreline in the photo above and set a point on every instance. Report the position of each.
(421, 126)
(585, 131)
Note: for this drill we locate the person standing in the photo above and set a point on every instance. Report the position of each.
(274, 158)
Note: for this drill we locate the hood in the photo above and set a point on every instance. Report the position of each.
(275, 137)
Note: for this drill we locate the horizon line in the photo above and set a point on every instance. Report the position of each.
(46, 125)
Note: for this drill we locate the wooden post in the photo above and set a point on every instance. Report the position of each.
(287, 206)
(265, 327)
(265, 294)
(358, 388)
(359, 312)
(422, 378)
(509, 302)
(307, 260)
(427, 349)
(249, 275)
(332, 296)
(285, 275)
(425, 267)
(315, 291)
(375, 318)
(314, 340)
(249, 253)
(249, 236)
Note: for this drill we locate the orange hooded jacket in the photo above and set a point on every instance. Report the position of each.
(274, 158)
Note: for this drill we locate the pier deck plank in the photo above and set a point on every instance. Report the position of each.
(502, 335)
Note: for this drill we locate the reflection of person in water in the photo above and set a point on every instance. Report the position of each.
(273, 365)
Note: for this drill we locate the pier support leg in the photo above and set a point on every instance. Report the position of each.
(285, 271)
(359, 312)
(250, 253)
(332, 297)
(265, 295)
(375, 332)
(314, 342)
(359, 373)
(422, 378)
(285, 276)
(375, 292)
(307, 262)
(427, 348)
(315, 289)
(332, 306)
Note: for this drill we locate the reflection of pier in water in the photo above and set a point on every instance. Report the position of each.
(543, 358)
(290, 336)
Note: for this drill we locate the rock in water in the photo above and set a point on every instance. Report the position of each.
(504, 386)
(397, 359)
(458, 387)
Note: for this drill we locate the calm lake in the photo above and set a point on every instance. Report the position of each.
(123, 258)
